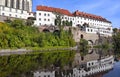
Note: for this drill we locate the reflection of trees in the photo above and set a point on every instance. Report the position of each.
(83, 48)
(116, 42)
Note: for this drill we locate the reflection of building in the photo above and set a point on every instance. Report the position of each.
(94, 67)
(15, 8)
(91, 23)
(44, 74)
(90, 68)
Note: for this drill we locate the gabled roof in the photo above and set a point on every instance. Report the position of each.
(52, 9)
(66, 12)
(91, 16)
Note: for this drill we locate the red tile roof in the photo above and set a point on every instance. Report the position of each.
(52, 9)
(76, 13)
(91, 16)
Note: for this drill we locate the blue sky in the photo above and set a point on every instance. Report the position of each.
(109, 9)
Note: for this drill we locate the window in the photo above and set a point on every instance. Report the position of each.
(48, 14)
(44, 76)
(23, 5)
(9, 14)
(48, 75)
(15, 15)
(40, 19)
(68, 18)
(18, 4)
(27, 5)
(88, 30)
(91, 30)
(92, 63)
(3, 14)
(44, 19)
(45, 14)
(89, 64)
(39, 13)
(12, 4)
(48, 19)
(81, 35)
(6, 3)
(39, 23)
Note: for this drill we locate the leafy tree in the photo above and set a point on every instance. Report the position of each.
(58, 20)
(116, 43)
(71, 23)
(17, 23)
(30, 21)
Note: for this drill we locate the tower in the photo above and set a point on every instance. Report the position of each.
(17, 4)
(15, 9)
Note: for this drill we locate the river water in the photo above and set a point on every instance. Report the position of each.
(115, 72)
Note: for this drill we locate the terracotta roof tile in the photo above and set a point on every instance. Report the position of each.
(91, 16)
(52, 9)
(76, 13)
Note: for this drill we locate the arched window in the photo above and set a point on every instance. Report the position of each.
(6, 3)
(23, 5)
(17, 4)
(12, 4)
(81, 36)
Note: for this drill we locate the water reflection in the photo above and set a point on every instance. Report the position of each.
(96, 61)
(115, 72)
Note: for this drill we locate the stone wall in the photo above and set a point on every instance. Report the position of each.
(88, 36)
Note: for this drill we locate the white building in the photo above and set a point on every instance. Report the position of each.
(47, 15)
(15, 9)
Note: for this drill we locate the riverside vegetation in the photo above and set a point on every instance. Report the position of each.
(17, 34)
(116, 42)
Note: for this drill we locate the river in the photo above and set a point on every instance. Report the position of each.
(115, 72)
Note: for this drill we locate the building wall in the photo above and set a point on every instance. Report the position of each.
(16, 8)
(23, 4)
(44, 18)
(104, 28)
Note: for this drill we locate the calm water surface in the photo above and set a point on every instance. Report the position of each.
(115, 72)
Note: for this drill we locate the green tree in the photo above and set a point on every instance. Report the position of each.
(30, 21)
(18, 23)
(58, 20)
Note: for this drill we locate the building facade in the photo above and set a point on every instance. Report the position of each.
(15, 9)
(91, 23)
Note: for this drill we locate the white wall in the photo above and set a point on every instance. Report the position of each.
(44, 18)
(16, 13)
(94, 25)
